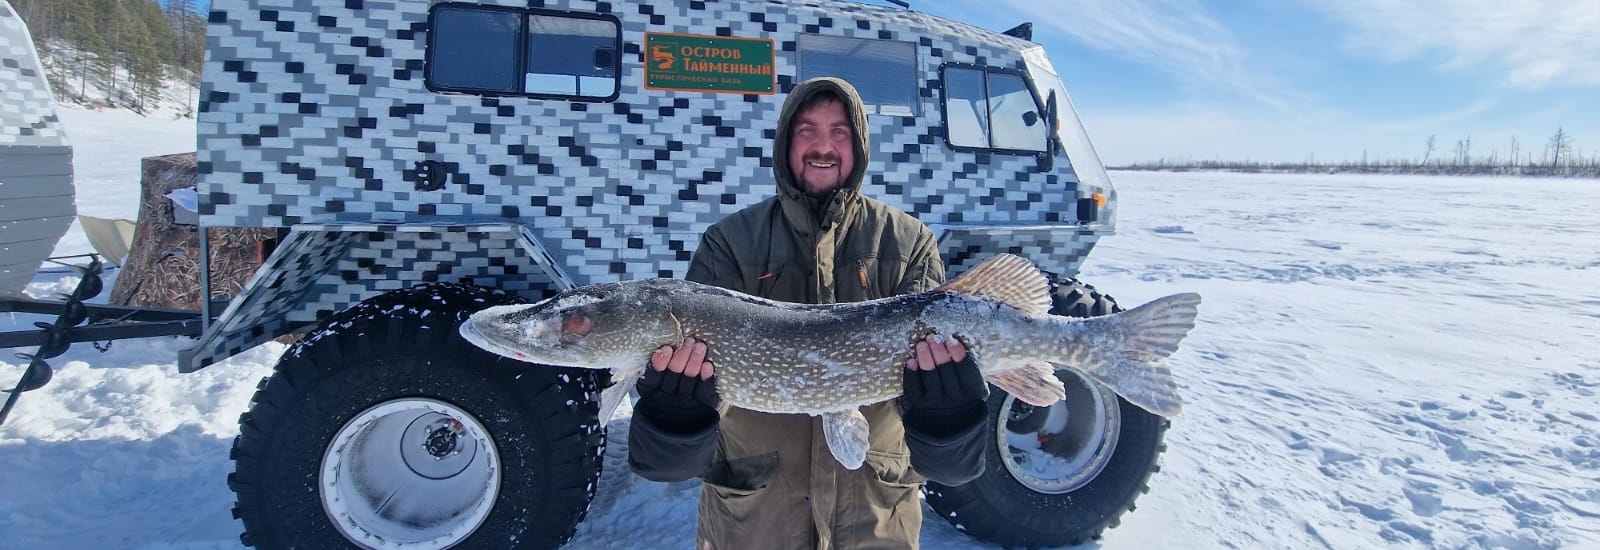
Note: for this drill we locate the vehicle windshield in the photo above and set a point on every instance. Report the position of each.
(1074, 140)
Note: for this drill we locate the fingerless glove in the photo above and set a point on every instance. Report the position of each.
(676, 403)
(944, 401)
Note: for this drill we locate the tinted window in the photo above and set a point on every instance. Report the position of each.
(500, 51)
(474, 49)
(884, 72)
(568, 56)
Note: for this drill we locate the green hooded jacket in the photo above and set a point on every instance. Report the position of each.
(772, 482)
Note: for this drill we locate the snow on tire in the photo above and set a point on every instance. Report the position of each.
(384, 429)
(1058, 475)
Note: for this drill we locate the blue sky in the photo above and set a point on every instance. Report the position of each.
(1326, 80)
(1290, 80)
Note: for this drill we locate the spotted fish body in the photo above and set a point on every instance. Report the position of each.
(829, 360)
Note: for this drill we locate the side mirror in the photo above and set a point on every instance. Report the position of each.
(1047, 160)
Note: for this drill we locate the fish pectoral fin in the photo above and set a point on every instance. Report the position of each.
(1033, 383)
(847, 436)
(623, 379)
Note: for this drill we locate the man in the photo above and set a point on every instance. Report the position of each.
(770, 481)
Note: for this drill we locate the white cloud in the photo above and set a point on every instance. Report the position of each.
(1173, 37)
(1432, 122)
(1534, 44)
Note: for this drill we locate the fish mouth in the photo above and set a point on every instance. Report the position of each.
(469, 332)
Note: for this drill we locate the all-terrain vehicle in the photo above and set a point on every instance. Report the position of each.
(426, 159)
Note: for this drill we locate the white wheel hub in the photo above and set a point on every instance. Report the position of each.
(1068, 445)
(410, 473)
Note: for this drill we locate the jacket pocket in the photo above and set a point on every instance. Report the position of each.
(891, 496)
(738, 488)
(726, 511)
(893, 469)
(742, 476)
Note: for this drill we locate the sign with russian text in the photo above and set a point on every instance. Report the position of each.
(717, 64)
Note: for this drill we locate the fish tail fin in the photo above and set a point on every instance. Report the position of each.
(1148, 334)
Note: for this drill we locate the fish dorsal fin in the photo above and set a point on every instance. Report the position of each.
(1008, 279)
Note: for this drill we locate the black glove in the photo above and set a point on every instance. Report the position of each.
(945, 401)
(676, 403)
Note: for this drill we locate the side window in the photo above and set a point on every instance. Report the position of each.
(488, 50)
(991, 108)
(474, 50)
(966, 111)
(573, 57)
(884, 72)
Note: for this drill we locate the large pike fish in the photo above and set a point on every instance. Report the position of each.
(829, 360)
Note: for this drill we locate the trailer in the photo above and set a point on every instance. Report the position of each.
(36, 208)
(426, 159)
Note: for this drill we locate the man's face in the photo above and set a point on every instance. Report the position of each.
(822, 148)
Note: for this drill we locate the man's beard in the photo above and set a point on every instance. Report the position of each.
(806, 169)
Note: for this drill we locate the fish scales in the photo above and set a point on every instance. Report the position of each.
(828, 360)
(815, 359)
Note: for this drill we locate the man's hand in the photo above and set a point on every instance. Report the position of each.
(944, 391)
(678, 393)
(937, 350)
(688, 359)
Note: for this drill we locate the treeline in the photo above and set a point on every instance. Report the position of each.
(1559, 157)
(119, 52)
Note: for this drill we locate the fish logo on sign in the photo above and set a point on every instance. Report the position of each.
(662, 56)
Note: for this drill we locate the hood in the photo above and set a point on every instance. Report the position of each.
(793, 197)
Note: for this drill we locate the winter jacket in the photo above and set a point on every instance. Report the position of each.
(771, 482)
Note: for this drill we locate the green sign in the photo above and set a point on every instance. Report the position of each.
(709, 64)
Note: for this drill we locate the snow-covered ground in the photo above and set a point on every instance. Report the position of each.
(1394, 362)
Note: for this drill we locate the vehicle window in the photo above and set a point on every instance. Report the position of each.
(1014, 114)
(966, 110)
(991, 109)
(490, 50)
(474, 50)
(568, 56)
(884, 72)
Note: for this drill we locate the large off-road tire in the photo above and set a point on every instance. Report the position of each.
(1058, 475)
(383, 428)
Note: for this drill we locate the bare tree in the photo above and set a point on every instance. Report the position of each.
(1560, 146)
(1429, 151)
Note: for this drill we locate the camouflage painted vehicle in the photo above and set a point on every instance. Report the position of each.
(426, 159)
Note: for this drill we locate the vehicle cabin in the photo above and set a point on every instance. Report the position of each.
(537, 146)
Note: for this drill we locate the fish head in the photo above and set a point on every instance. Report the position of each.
(597, 326)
